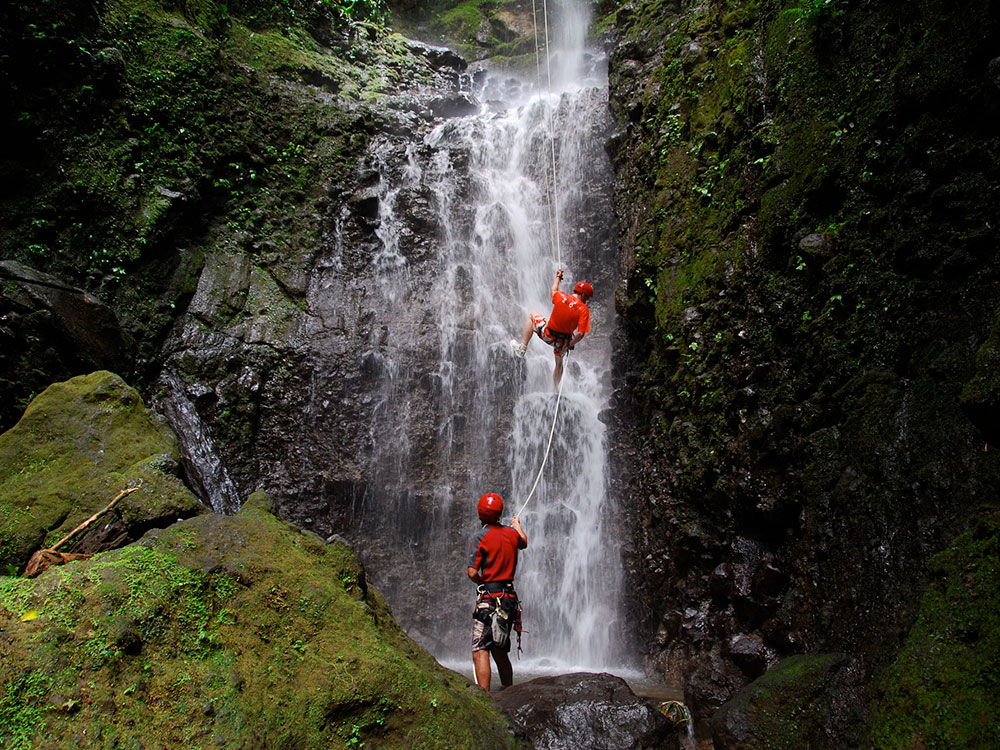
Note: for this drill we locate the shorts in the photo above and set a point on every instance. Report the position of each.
(558, 341)
(482, 631)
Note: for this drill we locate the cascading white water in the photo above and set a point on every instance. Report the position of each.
(487, 181)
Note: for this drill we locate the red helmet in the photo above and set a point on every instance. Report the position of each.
(490, 507)
(582, 287)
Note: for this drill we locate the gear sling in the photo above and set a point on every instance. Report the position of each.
(502, 615)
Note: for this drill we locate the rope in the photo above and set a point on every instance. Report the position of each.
(538, 56)
(553, 220)
(554, 185)
(552, 206)
(548, 445)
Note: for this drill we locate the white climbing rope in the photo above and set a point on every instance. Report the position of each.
(554, 184)
(548, 445)
(553, 208)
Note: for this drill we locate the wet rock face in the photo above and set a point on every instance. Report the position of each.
(283, 341)
(813, 407)
(50, 330)
(980, 397)
(596, 711)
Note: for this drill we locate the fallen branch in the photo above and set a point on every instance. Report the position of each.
(49, 556)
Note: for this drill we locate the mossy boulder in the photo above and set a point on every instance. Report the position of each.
(942, 689)
(502, 33)
(224, 631)
(77, 446)
(804, 701)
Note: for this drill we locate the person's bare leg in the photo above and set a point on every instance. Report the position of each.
(529, 328)
(481, 662)
(557, 373)
(504, 668)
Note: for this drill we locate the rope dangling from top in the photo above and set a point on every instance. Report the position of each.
(548, 445)
(552, 134)
(553, 209)
(553, 205)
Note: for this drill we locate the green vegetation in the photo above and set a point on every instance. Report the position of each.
(502, 31)
(221, 631)
(155, 108)
(941, 690)
(77, 446)
(145, 136)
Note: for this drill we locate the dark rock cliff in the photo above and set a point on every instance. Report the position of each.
(807, 389)
(147, 143)
(808, 199)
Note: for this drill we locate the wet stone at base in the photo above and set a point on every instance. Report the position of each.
(596, 711)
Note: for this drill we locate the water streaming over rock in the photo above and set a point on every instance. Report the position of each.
(201, 460)
(465, 221)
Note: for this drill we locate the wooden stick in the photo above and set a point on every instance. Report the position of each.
(93, 518)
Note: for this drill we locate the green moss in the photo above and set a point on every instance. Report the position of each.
(501, 31)
(77, 446)
(462, 21)
(982, 392)
(230, 628)
(941, 690)
(21, 710)
(789, 707)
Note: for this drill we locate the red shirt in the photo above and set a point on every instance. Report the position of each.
(493, 552)
(569, 314)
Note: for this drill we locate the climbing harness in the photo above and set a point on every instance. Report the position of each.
(503, 613)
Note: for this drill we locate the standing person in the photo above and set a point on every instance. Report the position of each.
(492, 562)
(566, 325)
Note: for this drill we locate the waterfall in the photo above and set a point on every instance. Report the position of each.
(457, 414)
(198, 453)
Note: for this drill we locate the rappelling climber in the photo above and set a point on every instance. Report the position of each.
(566, 325)
(492, 562)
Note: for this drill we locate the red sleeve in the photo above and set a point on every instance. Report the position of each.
(516, 538)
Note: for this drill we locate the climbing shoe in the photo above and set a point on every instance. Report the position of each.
(517, 349)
